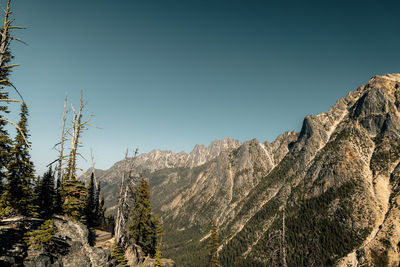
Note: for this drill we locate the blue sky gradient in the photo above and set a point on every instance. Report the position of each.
(172, 74)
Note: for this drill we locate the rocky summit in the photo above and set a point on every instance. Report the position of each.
(328, 195)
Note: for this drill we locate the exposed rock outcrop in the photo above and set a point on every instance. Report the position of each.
(70, 245)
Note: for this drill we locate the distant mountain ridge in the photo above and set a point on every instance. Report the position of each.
(161, 159)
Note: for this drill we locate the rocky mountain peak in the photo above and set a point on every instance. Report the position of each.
(202, 154)
(281, 145)
(161, 159)
(377, 109)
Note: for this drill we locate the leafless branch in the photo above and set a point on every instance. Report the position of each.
(20, 131)
(51, 163)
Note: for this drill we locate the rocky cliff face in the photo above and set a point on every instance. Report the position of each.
(332, 199)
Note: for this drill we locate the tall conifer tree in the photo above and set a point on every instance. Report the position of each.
(74, 194)
(4, 149)
(46, 195)
(102, 211)
(213, 246)
(91, 215)
(5, 70)
(97, 201)
(20, 172)
(58, 198)
(5, 142)
(144, 228)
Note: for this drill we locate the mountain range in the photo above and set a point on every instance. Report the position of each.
(327, 195)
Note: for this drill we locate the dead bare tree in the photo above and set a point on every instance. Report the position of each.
(77, 126)
(61, 143)
(73, 191)
(61, 156)
(125, 199)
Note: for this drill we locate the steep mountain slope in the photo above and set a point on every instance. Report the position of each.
(326, 196)
(334, 195)
(187, 199)
(329, 198)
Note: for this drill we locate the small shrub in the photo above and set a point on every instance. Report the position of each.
(118, 254)
(6, 211)
(41, 238)
(380, 258)
(385, 242)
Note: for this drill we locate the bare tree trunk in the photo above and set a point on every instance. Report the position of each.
(76, 130)
(125, 200)
(5, 39)
(61, 156)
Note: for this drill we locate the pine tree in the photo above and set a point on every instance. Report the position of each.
(144, 229)
(156, 233)
(91, 216)
(102, 211)
(35, 196)
(74, 194)
(157, 258)
(110, 220)
(213, 246)
(140, 227)
(20, 172)
(58, 198)
(97, 203)
(5, 70)
(5, 145)
(45, 195)
(42, 238)
(118, 254)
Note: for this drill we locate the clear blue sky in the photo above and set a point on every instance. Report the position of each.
(171, 74)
